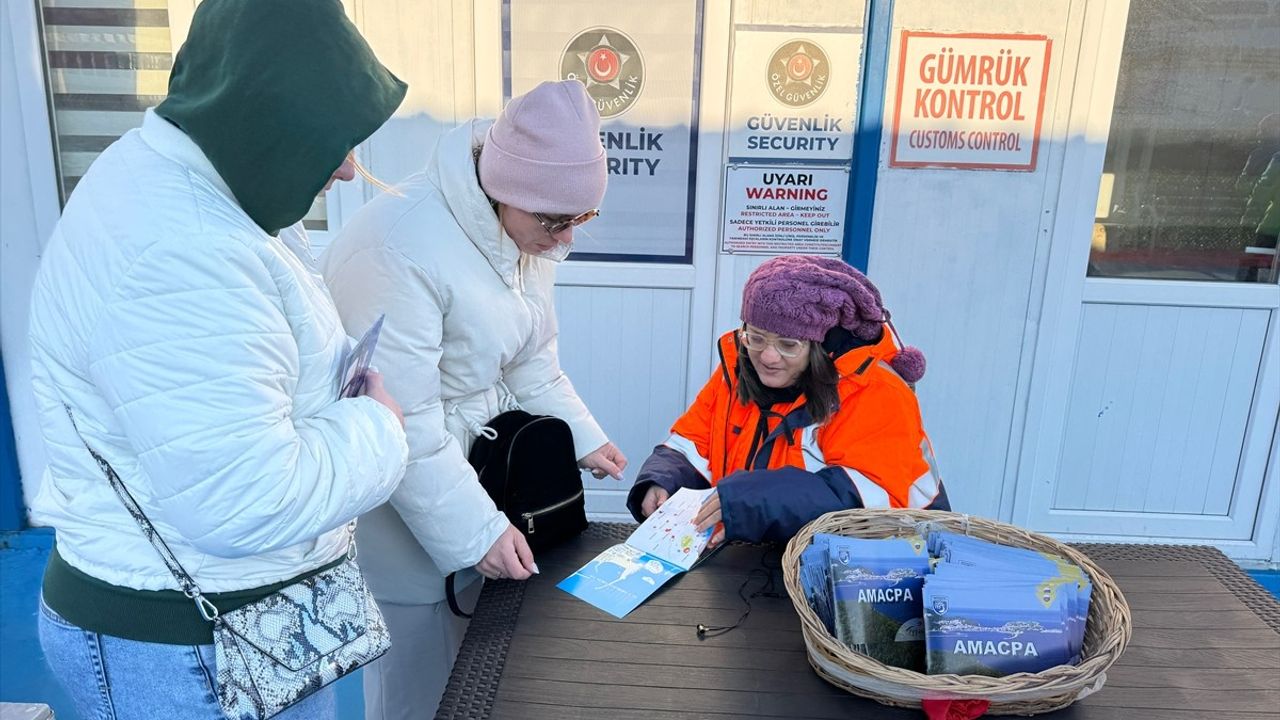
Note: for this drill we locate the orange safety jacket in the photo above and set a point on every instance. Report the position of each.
(780, 468)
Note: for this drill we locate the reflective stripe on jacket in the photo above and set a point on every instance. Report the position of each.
(783, 468)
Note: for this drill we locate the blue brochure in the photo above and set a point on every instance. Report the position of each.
(1055, 578)
(993, 628)
(881, 555)
(815, 579)
(869, 557)
(622, 577)
(876, 593)
(619, 579)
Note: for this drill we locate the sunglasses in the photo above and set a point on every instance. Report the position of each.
(555, 224)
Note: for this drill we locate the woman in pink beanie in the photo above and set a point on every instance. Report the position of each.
(462, 259)
(811, 410)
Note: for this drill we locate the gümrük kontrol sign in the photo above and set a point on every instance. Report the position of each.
(969, 100)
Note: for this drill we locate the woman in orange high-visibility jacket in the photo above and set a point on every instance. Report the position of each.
(811, 410)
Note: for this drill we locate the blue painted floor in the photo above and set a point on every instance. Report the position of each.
(1269, 579)
(24, 677)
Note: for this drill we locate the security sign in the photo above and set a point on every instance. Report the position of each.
(793, 95)
(639, 64)
(609, 64)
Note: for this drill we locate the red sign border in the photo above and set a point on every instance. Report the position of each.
(894, 162)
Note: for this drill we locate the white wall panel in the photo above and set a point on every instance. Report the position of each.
(1152, 408)
(626, 351)
(28, 211)
(429, 45)
(955, 254)
(1158, 409)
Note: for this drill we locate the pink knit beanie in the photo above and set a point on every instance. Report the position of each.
(804, 296)
(543, 153)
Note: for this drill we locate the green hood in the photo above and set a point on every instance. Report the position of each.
(276, 93)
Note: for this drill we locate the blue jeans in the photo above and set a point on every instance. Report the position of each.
(110, 678)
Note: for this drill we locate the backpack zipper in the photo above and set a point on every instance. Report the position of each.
(528, 517)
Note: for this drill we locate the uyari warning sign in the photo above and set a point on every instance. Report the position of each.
(783, 210)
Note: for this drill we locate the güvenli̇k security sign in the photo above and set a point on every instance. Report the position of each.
(793, 95)
(969, 100)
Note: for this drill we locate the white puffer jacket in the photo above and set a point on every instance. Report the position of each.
(199, 355)
(467, 316)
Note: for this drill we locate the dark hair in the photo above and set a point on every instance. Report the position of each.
(819, 383)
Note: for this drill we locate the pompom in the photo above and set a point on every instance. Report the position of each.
(909, 364)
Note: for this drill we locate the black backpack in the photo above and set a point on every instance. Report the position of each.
(531, 471)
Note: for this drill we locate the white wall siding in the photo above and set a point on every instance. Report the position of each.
(429, 45)
(1159, 403)
(733, 273)
(625, 350)
(954, 253)
(28, 211)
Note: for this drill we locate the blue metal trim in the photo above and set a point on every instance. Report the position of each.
(860, 207)
(694, 118)
(32, 538)
(13, 513)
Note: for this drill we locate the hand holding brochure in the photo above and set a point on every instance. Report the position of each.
(355, 366)
(619, 579)
(669, 533)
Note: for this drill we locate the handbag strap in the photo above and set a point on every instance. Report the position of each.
(452, 596)
(185, 581)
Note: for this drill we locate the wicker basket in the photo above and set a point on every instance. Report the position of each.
(1106, 636)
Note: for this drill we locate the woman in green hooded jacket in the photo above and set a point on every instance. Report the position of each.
(178, 318)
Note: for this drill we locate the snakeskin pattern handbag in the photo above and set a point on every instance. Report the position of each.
(272, 653)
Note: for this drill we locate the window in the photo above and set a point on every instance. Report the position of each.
(1191, 183)
(107, 62)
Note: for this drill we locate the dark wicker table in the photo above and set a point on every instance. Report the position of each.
(1206, 644)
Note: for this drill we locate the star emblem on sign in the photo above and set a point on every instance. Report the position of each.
(800, 66)
(608, 64)
(798, 72)
(603, 64)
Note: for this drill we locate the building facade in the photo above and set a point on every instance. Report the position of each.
(1070, 206)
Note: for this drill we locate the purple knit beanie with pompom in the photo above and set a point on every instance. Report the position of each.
(804, 296)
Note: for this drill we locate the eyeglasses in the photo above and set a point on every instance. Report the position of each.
(555, 224)
(786, 347)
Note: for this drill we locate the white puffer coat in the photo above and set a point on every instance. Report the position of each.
(467, 315)
(199, 355)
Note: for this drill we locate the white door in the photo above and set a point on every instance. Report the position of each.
(639, 316)
(632, 315)
(634, 301)
(1154, 397)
